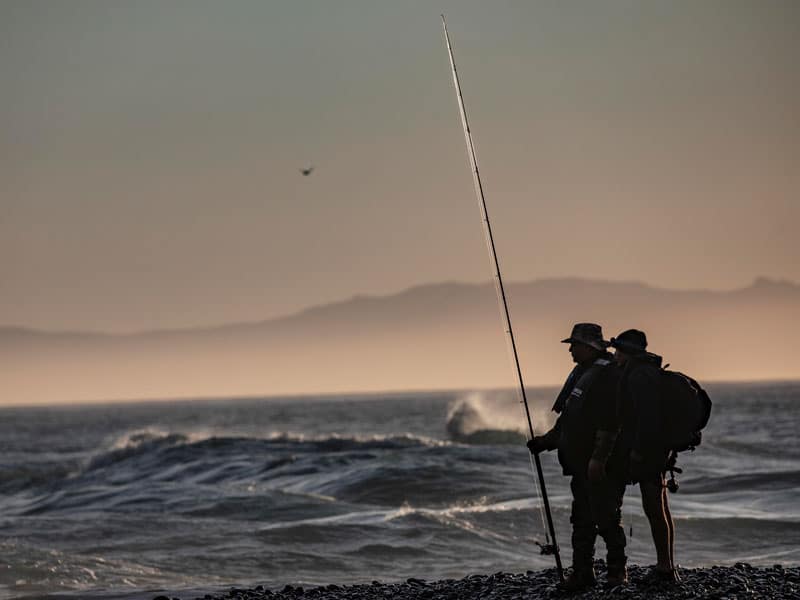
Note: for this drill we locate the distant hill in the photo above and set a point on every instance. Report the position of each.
(445, 335)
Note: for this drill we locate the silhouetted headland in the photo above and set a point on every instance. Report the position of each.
(438, 336)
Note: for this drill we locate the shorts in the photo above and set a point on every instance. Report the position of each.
(651, 470)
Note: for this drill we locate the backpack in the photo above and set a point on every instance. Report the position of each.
(685, 407)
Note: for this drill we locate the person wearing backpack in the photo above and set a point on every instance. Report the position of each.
(585, 434)
(643, 438)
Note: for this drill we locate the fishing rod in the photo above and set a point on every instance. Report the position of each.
(549, 547)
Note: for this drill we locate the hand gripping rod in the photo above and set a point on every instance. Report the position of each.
(501, 297)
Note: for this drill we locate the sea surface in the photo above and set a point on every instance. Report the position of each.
(191, 497)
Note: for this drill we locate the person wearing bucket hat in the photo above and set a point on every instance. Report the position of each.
(588, 334)
(584, 434)
(641, 439)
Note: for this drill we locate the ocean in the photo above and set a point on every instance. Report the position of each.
(195, 496)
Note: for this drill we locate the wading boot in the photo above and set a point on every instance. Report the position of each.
(578, 579)
(617, 575)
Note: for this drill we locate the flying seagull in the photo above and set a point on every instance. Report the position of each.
(307, 170)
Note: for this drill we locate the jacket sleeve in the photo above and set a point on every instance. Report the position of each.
(607, 423)
(608, 418)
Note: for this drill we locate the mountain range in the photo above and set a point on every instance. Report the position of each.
(435, 336)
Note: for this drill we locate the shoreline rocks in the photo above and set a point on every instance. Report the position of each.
(738, 581)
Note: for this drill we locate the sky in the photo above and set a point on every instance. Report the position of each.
(150, 151)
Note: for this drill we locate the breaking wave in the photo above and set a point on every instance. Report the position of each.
(483, 419)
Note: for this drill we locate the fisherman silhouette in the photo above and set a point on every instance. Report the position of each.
(641, 437)
(585, 434)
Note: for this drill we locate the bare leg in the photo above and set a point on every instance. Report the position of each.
(654, 504)
(671, 526)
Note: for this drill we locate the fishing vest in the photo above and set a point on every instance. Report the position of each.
(576, 428)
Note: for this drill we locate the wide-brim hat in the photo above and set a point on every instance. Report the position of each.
(590, 334)
(630, 341)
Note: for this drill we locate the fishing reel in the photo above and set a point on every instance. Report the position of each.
(547, 548)
(672, 483)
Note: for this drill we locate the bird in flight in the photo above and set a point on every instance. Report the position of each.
(307, 170)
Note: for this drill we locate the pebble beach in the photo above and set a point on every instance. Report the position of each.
(738, 581)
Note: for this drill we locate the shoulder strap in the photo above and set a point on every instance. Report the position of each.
(566, 390)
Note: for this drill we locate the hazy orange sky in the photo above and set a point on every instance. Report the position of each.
(149, 151)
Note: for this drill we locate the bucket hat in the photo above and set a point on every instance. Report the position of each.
(590, 334)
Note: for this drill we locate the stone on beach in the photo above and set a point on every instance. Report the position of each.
(738, 581)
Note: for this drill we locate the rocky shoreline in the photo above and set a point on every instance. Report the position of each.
(739, 581)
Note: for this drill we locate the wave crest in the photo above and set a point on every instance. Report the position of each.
(478, 420)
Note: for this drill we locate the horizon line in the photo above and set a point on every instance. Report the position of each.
(363, 395)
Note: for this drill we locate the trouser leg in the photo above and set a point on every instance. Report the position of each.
(606, 505)
(584, 530)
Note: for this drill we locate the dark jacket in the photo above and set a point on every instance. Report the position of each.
(587, 405)
(640, 407)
